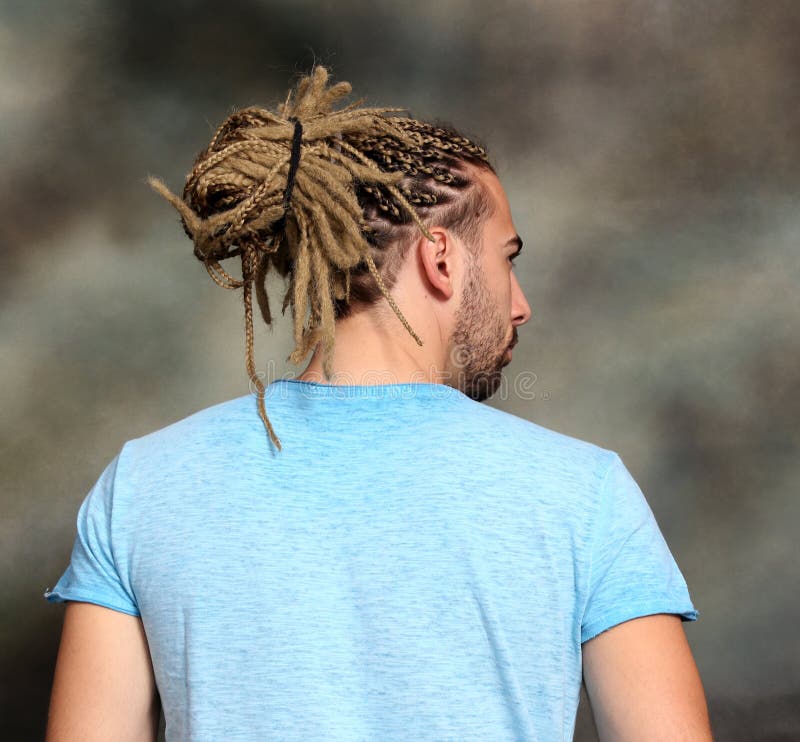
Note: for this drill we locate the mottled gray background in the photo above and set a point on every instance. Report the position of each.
(651, 152)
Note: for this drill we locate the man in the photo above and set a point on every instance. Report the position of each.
(403, 562)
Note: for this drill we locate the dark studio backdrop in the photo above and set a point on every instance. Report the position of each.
(651, 153)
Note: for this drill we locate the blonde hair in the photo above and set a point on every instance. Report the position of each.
(328, 198)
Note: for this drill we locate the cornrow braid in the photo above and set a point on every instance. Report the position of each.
(321, 195)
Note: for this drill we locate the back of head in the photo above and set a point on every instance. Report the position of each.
(329, 198)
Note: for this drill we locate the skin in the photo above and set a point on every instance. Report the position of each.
(104, 688)
(643, 684)
(640, 676)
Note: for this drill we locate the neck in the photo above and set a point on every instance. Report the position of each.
(373, 347)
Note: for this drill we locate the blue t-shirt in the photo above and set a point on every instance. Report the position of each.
(412, 565)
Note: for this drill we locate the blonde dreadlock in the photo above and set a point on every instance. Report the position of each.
(327, 186)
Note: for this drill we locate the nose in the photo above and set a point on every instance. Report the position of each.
(520, 309)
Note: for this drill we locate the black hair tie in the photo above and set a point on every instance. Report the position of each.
(294, 161)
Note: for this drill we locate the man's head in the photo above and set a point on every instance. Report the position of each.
(466, 211)
(334, 200)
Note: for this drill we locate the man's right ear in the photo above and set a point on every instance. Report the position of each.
(438, 261)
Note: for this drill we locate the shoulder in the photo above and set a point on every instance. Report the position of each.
(532, 449)
(198, 435)
(519, 434)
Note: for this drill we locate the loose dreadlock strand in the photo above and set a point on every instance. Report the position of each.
(384, 291)
(324, 287)
(249, 267)
(300, 281)
(262, 269)
(318, 193)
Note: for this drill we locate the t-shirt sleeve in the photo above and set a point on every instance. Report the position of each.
(632, 572)
(93, 575)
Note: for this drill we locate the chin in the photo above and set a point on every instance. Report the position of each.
(484, 386)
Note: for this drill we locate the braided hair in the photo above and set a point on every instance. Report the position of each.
(330, 199)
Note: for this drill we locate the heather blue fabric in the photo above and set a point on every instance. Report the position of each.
(414, 565)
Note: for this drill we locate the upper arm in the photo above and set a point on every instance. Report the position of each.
(643, 684)
(103, 687)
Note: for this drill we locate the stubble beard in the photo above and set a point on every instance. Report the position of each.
(479, 330)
